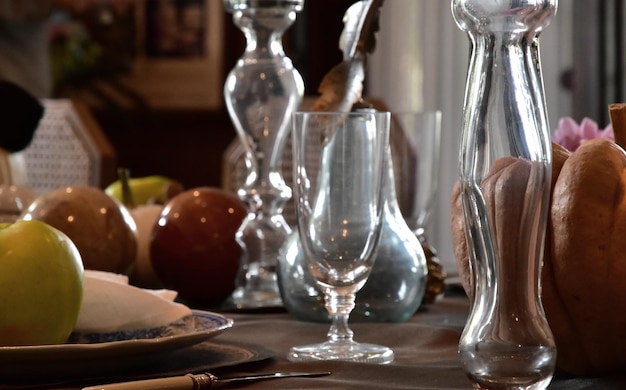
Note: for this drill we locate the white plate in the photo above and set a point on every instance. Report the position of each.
(202, 325)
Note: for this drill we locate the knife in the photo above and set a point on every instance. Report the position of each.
(197, 381)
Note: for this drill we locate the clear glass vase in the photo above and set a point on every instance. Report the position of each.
(505, 172)
(395, 287)
(261, 92)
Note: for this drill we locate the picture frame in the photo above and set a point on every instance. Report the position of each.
(179, 54)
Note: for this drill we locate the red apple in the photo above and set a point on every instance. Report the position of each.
(193, 248)
(101, 228)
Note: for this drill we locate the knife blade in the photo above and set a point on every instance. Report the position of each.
(197, 381)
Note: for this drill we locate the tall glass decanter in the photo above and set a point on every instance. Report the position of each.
(505, 171)
(261, 92)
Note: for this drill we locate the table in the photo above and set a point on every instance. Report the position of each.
(425, 350)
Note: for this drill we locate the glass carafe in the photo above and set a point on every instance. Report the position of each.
(505, 170)
(261, 92)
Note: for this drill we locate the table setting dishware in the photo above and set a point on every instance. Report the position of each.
(198, 327)
(94, 368)
(119, 325)
(260, 93)
(339, 213)
(505, 165)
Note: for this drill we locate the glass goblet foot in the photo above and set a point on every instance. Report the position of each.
(342, 350)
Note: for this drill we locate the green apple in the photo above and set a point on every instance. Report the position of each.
(41, 284)
(149, 189)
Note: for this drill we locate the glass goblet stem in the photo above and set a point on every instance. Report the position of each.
(339, 308)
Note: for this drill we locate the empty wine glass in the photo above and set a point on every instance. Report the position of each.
(338, 174)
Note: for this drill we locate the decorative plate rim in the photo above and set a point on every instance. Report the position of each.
(123, 347)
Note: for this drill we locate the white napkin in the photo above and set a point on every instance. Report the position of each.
(110, 304)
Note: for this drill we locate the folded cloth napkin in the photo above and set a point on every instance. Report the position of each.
(110, 304)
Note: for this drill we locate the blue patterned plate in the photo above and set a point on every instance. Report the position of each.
(200, 326)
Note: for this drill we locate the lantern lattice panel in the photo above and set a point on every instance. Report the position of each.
(67, 149)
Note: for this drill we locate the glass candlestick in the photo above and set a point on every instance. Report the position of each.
(261, 92)
(505, 171)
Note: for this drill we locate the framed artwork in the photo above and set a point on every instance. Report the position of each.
(179, 54)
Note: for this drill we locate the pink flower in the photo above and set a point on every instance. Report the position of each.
(571, 135)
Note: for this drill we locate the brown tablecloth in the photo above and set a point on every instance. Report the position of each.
(425, 350)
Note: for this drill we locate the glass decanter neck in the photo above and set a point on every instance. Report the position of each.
(476, 16)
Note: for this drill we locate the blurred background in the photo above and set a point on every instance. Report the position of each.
(151, 73)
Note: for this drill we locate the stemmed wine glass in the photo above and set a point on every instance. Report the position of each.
(338, 182)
